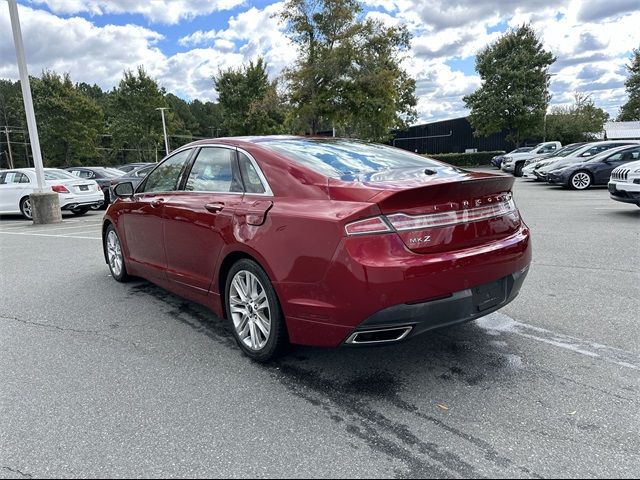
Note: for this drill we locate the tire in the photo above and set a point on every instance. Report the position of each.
(580, 180)
(518, 169)
(80, 211)
(115, 257)
(25, 208)
(254, 312)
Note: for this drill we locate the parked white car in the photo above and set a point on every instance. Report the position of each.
(624, 185)
(515, 163)
(539, 162)
(76, 195)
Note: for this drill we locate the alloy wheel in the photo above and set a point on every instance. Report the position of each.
(26, 209)
(250, 310)
(580, 180)
(114, 253)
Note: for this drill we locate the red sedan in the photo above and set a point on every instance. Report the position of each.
(322, 242)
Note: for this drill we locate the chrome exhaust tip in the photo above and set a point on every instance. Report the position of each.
(371, 337)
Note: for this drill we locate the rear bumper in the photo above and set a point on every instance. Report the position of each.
(379, 281)
(71, 203)
(462, 306)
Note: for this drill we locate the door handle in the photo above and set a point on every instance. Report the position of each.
(214, 207)
(157, 203)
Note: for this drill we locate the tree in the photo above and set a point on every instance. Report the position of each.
(249, 101)
(69, 123)
(348, 73)
(515, 84)
(631, 110)
(580, 122)
(209, 119)
(135, 124)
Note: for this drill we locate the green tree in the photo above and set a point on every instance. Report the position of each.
(209, 119)
(69, 123)
(249, 101)
(348, 73)
(135, 124)
(631, 110)
(580, 122)
(12, 121)
(515, 84)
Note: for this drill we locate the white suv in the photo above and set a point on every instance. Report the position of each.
(514, 163)
(624, 185)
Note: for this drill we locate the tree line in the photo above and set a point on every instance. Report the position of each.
(347, 76)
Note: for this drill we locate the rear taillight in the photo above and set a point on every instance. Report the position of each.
(60, 189)
(368, 226)
(402, 222)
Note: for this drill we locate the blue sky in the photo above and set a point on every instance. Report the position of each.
(182, 43)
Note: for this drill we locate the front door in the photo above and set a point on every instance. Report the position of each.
(199, 219)
(143, 220)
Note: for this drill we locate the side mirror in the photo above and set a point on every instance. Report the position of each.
(124, 190)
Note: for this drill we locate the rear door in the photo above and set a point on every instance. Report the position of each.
(199, 219)
(143, 220)
(13, 187)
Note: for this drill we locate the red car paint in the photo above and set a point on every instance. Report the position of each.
(327, 282)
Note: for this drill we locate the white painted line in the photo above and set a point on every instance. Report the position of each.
(45, 235)
(498, 323)
(64, 228)
(72, 234)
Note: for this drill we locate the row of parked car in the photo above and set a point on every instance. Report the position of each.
(578, 166)
(79, 189)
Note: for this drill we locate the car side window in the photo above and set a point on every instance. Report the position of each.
(3, 177)
(215, 170)
(22, 178)
(166, 176)
(86, 174)
(252, 182)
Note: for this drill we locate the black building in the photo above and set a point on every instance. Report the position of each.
(449, 136)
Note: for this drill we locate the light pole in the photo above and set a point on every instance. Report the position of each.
(164, 128)
(45, 206)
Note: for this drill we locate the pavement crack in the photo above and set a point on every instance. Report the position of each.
(67, 329)
(15, 470)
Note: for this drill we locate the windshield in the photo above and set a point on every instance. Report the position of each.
(58, 175)
(566, 151)
(343, 158)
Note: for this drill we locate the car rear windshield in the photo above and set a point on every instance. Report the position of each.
(345, 158)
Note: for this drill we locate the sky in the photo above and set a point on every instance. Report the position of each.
(183, 43)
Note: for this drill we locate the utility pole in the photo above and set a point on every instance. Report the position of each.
(164, 128)
(45, 206)
(10, 158)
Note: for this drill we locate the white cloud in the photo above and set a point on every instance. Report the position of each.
(157, 11)
(591, 39)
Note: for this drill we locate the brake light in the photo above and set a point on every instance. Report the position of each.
(60, 189)
(403, 222)
(367, 226)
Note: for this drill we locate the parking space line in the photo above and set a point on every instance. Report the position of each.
(85, 225)
(47, 235)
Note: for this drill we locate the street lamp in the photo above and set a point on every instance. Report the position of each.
(164, 128)
(45, 205)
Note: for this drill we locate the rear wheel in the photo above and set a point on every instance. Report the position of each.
(115, 257)
(80, 211)
(26, 209)
(580, 181)
(254, 310)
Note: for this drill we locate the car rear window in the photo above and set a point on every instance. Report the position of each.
(343, 158)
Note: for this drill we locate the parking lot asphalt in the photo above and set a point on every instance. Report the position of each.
(100, 379)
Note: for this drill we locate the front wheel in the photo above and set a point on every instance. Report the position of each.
(580, 181)
(518, 169)
(115, 257)
(254, 310)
